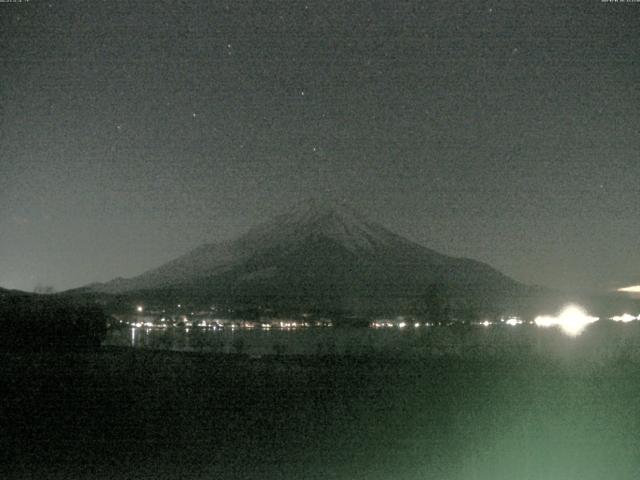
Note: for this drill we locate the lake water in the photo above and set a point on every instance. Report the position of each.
(597, 342)
(300, 341)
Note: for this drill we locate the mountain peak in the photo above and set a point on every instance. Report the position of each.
(318, 248)
(312, 210)
(312, 217)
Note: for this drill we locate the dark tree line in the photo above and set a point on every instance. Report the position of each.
(440, 304)
(46, 322)
(434, 305)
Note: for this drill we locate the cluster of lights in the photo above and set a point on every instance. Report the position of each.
(572, 320)
(220, 324)
(146, 324)
(390, 324)
(511, 321)
(382, 324)
(290, 324)
(624, 318)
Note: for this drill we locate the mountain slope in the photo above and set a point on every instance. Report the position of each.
(316, 251)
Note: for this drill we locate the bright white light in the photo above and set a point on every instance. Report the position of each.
(546, 321)
(417, 324)
(572, 320)
(402, 325)
(624, 318)
(513, 321)
(140, 308)
(486, 323)
(631, 289)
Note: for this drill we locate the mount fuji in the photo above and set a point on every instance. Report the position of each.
(317, 254)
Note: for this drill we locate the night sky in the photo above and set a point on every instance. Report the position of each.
(131, 132)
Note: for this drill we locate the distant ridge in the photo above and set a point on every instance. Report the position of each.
(4, 292)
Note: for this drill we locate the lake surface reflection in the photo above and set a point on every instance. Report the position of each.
(597, 342)
(301, 341)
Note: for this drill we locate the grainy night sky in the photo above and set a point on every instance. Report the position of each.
(132, 132)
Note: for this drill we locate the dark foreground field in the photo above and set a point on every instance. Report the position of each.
(153, 415)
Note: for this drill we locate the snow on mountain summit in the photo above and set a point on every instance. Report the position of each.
(313, 218)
